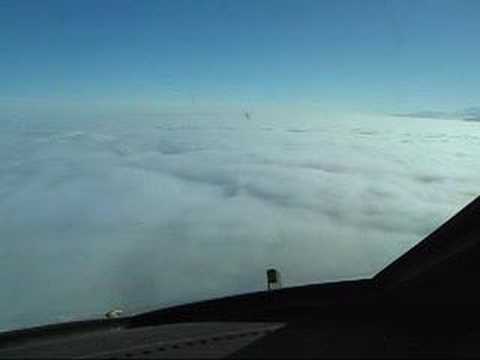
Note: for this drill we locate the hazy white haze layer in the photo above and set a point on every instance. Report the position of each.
(169, 208)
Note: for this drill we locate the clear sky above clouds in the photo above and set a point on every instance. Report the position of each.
(382, 55)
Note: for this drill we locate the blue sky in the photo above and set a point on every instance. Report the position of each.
(386, 56)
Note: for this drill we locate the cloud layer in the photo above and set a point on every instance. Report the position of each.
(147, 212)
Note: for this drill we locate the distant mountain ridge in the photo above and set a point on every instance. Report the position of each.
(467, 114)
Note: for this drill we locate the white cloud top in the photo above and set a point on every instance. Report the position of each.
(142, 214)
